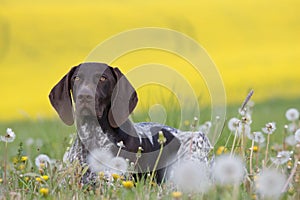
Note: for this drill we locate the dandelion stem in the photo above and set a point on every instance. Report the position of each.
(251, 158)
(234, 140)
(5, 164)
(155, 165)
(267, 150)
(291, 175)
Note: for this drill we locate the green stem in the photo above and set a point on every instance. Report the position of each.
(267, 150)
(5, 164)
(155, 165)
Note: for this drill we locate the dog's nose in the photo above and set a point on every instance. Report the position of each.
(85, 95)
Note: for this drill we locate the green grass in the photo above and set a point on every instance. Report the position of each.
(55, 137)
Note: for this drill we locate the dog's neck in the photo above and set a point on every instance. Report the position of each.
(91, 134)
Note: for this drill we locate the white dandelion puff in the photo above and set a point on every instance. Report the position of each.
(297, 135)
(118, 165)
(292, 114)
(233, 124)
(269, 183)
(291, 140)
(244, 129)
(229, 169)
(42, 160)
(98, 160)
(9, 137)
(281, 158)
(258, 137)
(269, 128)
(191, 176)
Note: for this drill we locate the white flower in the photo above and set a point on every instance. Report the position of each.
(270, 183)
(281, 158)
(246, 119)
(229, 170)
(233, 124)
(257, 137)
(291, 140)
(9, 137)
(118, 165)
(99, 159)
(269, 128)
(244, 129)
(120, 144)
(297, 135)
(292, 114)
(191, 176)
(42, 160)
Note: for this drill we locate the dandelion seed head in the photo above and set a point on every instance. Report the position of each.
(233, 124)
(244, 129)
(269, 183)
(297, 135)
(291, 140)
(42, 160)
(191, 176)
(9, 137)
(229, 170)
(292, 114)
(118, 165)
(281, 158)
(258, 137)
(269, 128)
(99, 159)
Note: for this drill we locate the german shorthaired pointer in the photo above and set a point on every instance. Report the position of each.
(100, 99)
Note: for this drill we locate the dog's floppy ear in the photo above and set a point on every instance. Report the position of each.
(60, 98)
(123, 100)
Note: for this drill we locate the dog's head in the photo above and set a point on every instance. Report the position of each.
(96, 90)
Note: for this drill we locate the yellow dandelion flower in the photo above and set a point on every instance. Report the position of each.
(127, 184)
(221, 150)
(45, 177)
(44, 191)
(255, 148)
(24, 158)
(26, 179)
(1, 180)
(116, 176)
(253, 196)
(186, 122)
(15, 160)
(176, 194)
(42, 165)
(21, 167)
(101, 175)
(38, 179)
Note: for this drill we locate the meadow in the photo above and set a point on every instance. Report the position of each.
(254, 45)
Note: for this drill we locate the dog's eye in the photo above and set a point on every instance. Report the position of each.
(103, 78)
(76, 78)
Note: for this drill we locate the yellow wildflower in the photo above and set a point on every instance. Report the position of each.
(44, 191)
(116, 176)
(1, 180)
(255, 149)
(186, 122)
(176, 194)
(21, 167)
(24, 158)
(26, 179)
(127, 184)
(45, 177)
(221, 150)
(101, 175)
(15, 160)
(38, 179)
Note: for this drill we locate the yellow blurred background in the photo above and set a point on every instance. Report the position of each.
(255, 44)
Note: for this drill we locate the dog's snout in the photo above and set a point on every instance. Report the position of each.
(85, 95)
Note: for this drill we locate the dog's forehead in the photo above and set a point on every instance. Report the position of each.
(92, 68)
